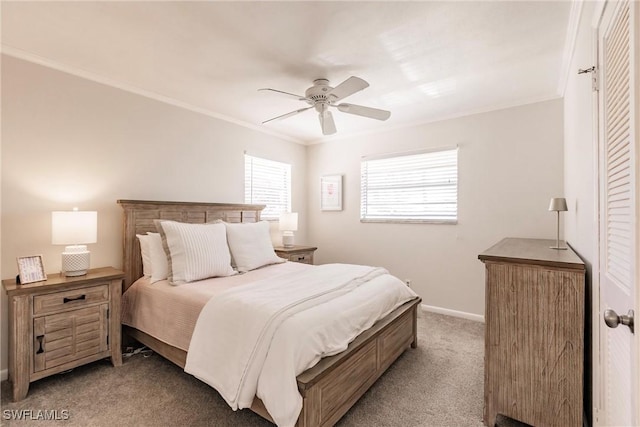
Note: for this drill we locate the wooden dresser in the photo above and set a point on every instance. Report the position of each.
(534, 333)
(61, 323)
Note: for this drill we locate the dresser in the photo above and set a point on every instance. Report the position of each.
(62, 323)
(298, 253)
(534, 333)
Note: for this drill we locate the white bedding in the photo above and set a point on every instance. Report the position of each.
(169, 313)
(256, 338)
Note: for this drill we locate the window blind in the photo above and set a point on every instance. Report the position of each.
(267, 182)
(412, 187)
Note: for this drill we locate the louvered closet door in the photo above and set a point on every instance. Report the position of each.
(617, 47)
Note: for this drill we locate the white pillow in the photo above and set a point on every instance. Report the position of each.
(159, 264)
(250, 245)
(146, 255)
(195, 251)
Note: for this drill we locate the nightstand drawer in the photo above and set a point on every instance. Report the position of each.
(301, 254)
(76, 298)
(65, 337)
(304, 258)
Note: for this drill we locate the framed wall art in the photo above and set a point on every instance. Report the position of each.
(31, 269)
(331, 193)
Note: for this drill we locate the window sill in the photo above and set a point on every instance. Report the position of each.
(411, 221)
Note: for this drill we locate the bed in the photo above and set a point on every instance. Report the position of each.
(328, 389)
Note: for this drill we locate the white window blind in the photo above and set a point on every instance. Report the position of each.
(267, 182)
(412, 187)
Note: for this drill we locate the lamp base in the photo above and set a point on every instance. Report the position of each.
(75, 260)
(558, 248)
(287, 239)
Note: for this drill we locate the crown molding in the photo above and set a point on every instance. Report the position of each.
(570, 44)
(88, 75)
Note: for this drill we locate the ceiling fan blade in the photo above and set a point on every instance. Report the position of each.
(327, 123)
(372, 113)
(347, 88)
(292, 95)
(284, 116)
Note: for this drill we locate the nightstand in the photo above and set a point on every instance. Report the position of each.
(302, 254)
(61, 323)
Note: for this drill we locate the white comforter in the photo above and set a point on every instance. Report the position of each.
(255, 339)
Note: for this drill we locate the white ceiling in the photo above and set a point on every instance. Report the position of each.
(424, 60)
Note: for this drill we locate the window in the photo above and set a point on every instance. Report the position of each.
(267, 182)
(412, 187)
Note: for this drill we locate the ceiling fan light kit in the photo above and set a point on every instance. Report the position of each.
(321, 96)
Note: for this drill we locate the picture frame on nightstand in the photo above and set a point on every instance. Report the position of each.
(31, 269)
(331, 193)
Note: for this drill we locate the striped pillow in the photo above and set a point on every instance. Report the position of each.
(195, 251)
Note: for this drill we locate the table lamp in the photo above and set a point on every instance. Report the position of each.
(288, 224)
(558, 204)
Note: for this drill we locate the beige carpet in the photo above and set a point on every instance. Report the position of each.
(437, 384)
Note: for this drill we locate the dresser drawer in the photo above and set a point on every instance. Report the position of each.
(68, 336)
(72, 299)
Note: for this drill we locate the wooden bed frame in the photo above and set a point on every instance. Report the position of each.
(331, 387)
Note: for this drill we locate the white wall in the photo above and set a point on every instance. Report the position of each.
(71, 142)
(580, 145)
(579, 178)
(510, 165)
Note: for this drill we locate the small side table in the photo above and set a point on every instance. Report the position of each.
(61, 323)
(301, 254)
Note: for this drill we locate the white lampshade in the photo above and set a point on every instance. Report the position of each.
(74, 229)
(288, 224)
(558, 204)
(289, 221)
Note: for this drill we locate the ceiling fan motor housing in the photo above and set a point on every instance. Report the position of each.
(318, 92)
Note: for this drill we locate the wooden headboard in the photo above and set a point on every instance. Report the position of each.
(139, 216)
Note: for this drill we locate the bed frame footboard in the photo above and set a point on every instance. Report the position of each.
(335, 384)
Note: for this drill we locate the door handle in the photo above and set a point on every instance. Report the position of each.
(612, 319)
(40, 338)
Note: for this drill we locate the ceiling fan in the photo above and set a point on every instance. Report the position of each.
(321, 96)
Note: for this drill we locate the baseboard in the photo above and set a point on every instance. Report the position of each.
(4, 374)
(454, 313)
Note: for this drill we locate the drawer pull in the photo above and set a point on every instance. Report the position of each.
(40, 338)
(81, 297)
